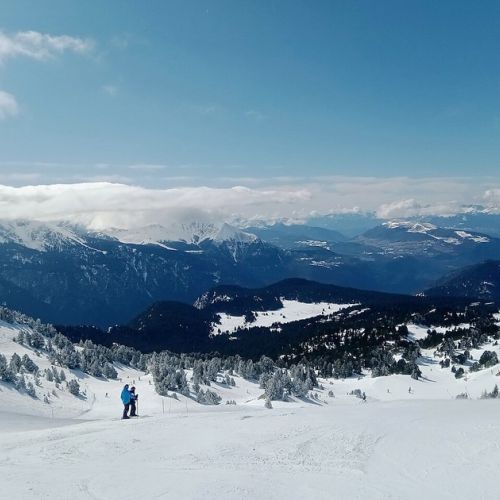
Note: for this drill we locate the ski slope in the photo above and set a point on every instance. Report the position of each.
(341, 450)
(410, 438)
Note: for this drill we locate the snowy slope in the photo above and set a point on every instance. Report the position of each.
(409, 437)
(39, 236)
(419, 332)
(192, 233)
(453, 237)
(292, 310)
(342, 450)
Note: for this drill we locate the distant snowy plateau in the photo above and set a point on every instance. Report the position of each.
(292, 310)
(410, 439)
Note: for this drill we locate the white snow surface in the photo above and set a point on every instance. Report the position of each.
(427, 229)
(39, 236)
(476, 238)
(192, 233)
(292, 310)
(419, 332)
(411, 227)
(400, 444)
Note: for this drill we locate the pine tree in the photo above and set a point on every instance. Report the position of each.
(494, 393)
(30, 389)
(110, 372)
(15, 363)
(28, 364)
(20, 383)
(74, 387)
(6, 373)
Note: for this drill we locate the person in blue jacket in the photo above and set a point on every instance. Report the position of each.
(133, 402)
(126, 401)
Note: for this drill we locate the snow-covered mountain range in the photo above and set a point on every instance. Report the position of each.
(193, 233)
(40, 236)
(71, 274)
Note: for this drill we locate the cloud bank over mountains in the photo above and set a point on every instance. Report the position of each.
(101, 205)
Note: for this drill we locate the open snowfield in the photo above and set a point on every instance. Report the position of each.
(292, 310)
(400, 444)
(343, 450)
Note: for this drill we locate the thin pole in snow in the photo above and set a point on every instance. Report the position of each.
(163, 405)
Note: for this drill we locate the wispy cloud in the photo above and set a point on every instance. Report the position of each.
(110, 90)
(38, 46)
(255, 114)
(8, 105)
(147, 167)
(205, 109)
(41, 46)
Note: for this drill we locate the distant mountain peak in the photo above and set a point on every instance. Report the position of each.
(410, 226)
(231, 233)
(40, 236)
(191, 233)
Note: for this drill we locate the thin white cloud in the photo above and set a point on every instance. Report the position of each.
(8, 105)
(255, 114)
(40, 46)
(411, 208)
(25, 178)
(147, 167)
(205, 109)
(110, 90)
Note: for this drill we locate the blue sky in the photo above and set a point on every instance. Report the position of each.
(323, 105)
(195, 90)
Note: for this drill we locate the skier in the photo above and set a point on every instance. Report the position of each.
(125, 395)
(133, 398)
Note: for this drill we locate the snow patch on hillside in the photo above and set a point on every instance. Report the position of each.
(39, 236)
(193, 233)
(432, 231)
(292, 310)
(475, 238)
(411, 227)
(419, 332)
